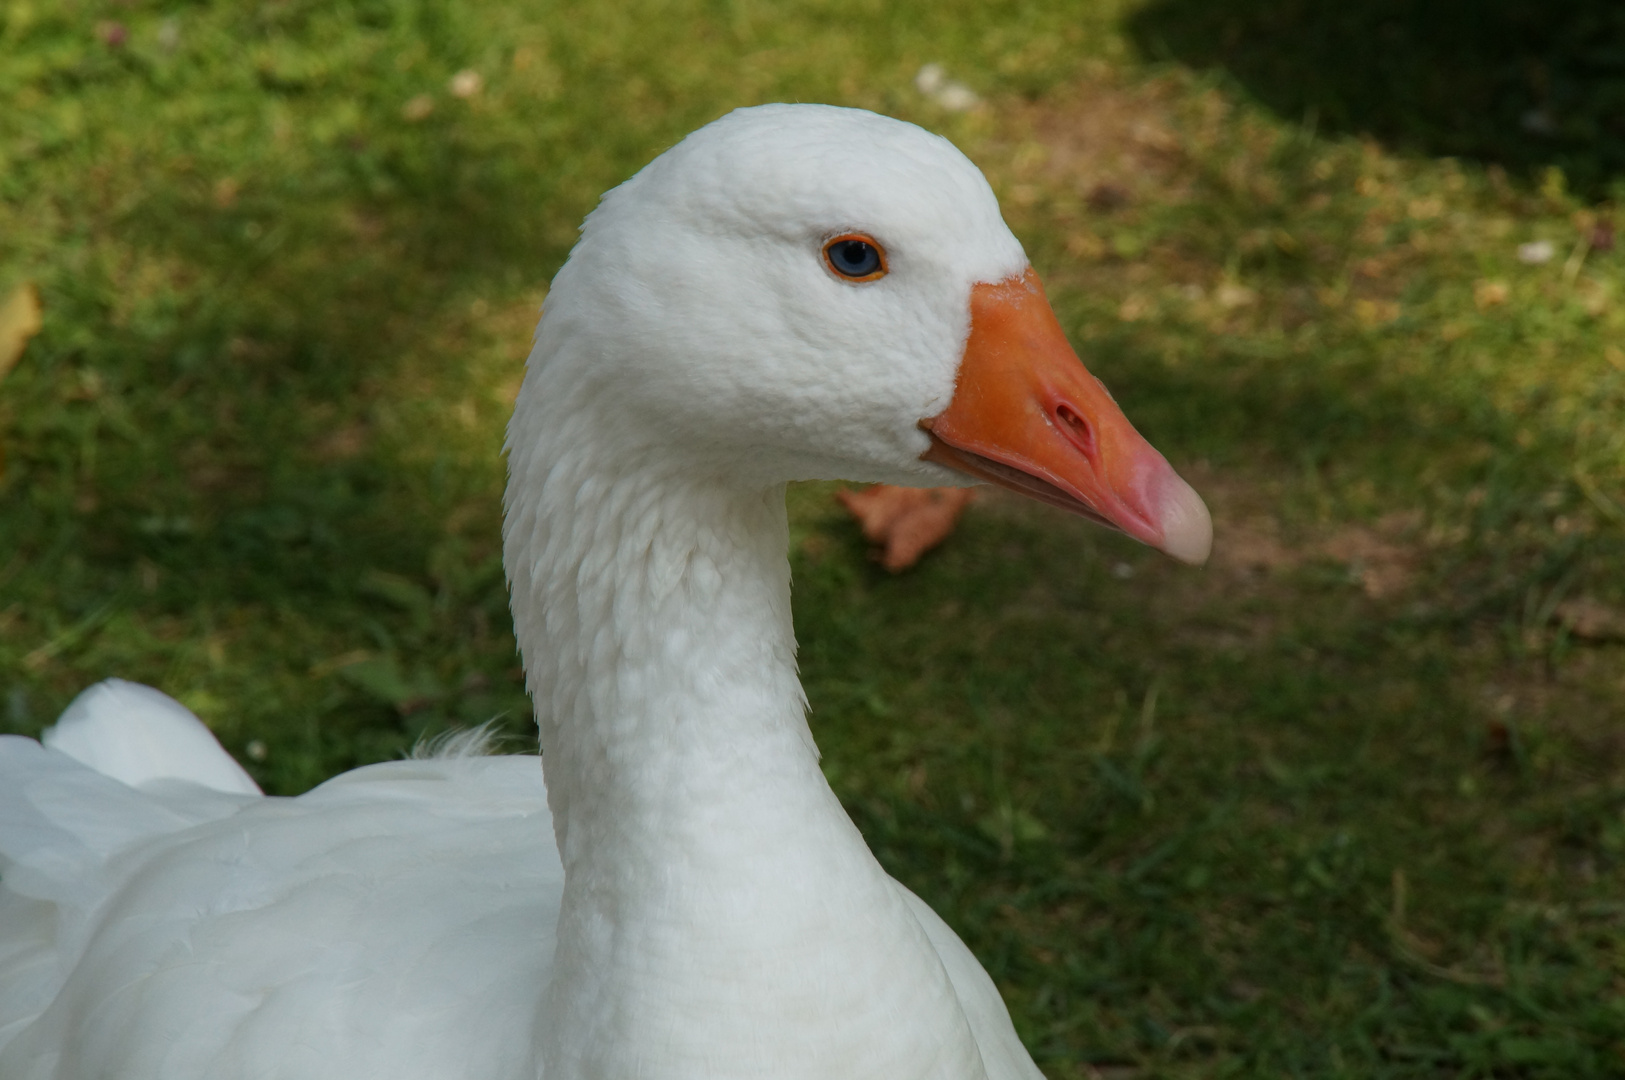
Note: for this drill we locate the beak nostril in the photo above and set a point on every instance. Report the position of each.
(1078, 429)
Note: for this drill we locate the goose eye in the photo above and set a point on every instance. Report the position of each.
(856, 258)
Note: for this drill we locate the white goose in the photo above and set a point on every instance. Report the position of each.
(791, 292)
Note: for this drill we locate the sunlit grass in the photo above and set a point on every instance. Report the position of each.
(1349, 802)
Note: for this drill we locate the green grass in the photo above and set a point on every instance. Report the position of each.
(1347, 803)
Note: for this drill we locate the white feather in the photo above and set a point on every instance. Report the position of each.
(481, 740)
(136, 734)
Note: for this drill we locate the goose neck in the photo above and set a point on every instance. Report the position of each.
(721, 915)
(657, 639)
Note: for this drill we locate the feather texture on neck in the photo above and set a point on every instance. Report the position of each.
(716, 893)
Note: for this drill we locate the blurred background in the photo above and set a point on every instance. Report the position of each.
(1348, 802)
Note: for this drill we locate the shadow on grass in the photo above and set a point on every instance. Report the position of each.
(1518, 83)
(227, 390)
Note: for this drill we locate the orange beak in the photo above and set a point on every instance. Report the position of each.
(1027, 415)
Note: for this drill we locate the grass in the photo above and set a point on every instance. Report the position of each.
(1350, 802)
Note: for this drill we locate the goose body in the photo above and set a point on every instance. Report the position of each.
(793, 292)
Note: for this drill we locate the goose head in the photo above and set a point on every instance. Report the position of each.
(807, 292)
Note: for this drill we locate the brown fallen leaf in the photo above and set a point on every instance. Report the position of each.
(1591, 620)
(905, 522)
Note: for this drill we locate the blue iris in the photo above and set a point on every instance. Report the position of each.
(854, 258)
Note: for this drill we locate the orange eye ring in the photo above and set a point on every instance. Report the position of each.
(855, 258)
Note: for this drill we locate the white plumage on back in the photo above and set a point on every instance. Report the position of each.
(135, 734)
(392, 923)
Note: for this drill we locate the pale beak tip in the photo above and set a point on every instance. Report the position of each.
(1187, 527)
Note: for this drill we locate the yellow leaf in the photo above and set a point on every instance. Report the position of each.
(1488, 294)
(19, 321)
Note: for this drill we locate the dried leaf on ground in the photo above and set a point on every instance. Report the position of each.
(905, 522)
(19, 321)
(1591, 620)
